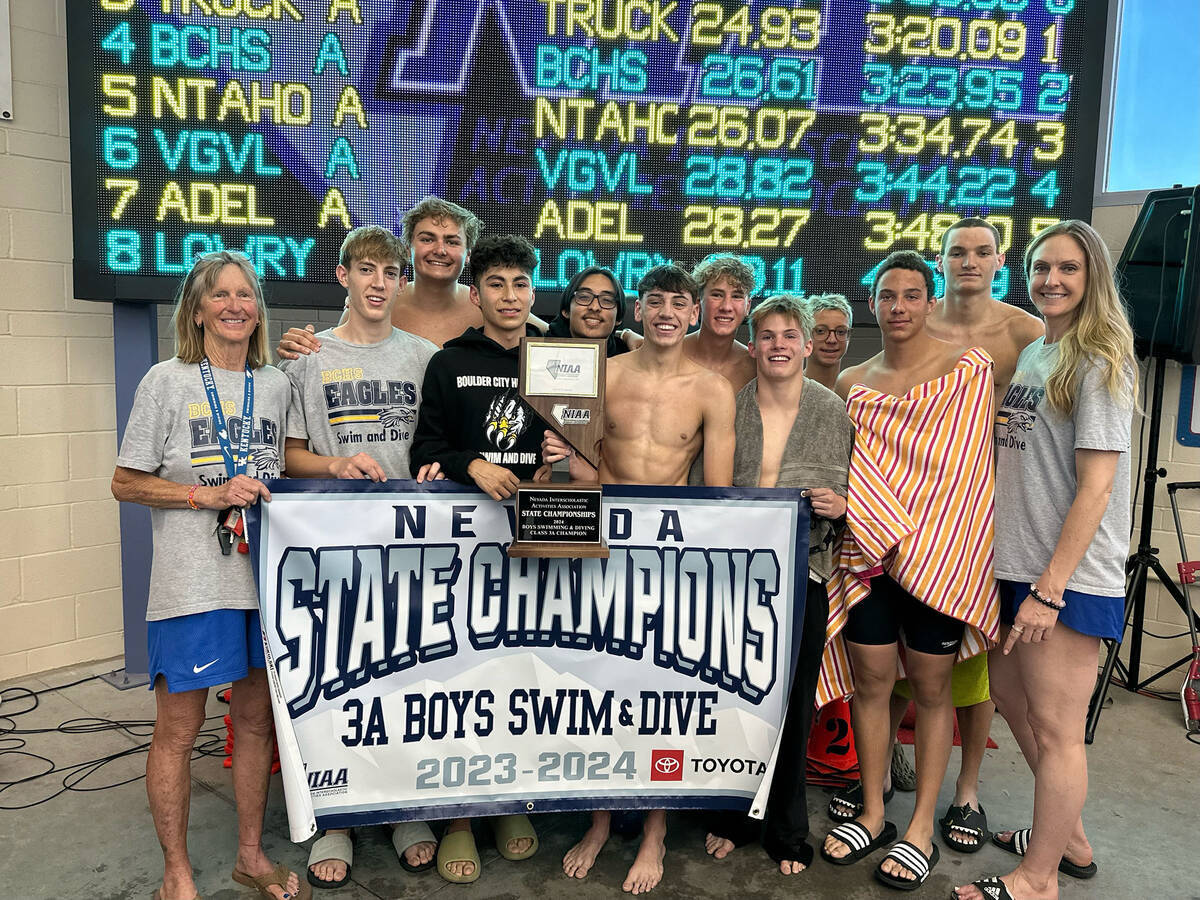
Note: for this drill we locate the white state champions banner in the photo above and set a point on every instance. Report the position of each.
(420, 673)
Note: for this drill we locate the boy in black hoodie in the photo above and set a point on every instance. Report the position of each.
(473, 426)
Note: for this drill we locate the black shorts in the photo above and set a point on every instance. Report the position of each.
(889, 610)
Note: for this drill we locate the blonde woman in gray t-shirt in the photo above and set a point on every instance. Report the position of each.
(1062, 529)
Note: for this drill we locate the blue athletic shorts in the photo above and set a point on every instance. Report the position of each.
(1090, 614)
(205, 649)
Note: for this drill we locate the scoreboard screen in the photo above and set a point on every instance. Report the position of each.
(811, 137)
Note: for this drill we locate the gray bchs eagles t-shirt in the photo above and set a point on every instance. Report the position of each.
(170, 434)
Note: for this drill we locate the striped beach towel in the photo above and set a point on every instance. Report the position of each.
(919, 508)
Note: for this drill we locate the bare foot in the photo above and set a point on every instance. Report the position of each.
(329, 869)
(718, 847)
(579, 860)
(1078, 853)
(181, 885)
(791, 867)
(517, 846)
(647, 869)
(421, 853)
(957, 832)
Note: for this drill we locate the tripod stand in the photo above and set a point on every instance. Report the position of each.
(1137, 570)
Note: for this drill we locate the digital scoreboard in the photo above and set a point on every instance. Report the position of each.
(811, 137)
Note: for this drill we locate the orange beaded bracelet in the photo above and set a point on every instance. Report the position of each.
(191, 497)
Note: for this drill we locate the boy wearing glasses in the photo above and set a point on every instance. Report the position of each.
(593, 305)
(832, 321)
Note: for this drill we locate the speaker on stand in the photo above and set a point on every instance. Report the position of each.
(1159, 276)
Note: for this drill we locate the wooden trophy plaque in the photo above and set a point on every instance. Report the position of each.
(562, 380)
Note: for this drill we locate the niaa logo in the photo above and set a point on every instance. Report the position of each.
(327, 778)
(557, 368)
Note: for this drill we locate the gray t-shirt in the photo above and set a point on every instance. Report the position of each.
(170, 434)
(1035, 474)
(360, 398)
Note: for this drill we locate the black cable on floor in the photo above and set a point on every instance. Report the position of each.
(210, 742)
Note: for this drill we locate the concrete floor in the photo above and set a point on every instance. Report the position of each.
(101, 845)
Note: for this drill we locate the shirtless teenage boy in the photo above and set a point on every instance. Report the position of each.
(661, 412)
(791, 432)
(726, 284)
(968, 316)
(439, 236)
(940, 493)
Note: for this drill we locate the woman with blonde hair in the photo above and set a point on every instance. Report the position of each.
(205, 430)
(1062, 533)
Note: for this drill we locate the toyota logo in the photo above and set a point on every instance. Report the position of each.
(666, 765)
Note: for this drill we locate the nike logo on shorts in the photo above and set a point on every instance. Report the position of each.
(196, 670)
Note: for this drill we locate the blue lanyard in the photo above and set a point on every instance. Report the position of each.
(232, 466)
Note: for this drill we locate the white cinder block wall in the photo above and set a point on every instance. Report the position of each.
(60, 579)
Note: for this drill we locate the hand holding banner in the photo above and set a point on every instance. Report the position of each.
(425, 674)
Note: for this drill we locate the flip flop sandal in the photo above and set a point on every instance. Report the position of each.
(277, 878)
(405, 835)
(847, 804)
(964, 819)
(458, 846)
(909, 856)
(858, 838)
(511, 828)
(1019, 843)
(331, 845)
(992, 888)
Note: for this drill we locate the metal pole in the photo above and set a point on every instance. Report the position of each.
(135, 350)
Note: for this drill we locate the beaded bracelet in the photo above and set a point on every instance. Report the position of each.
(1046, 601)
(191, 497)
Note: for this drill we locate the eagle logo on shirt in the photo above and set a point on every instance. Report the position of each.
(1021, 421)
(506, 420)
(266, 460)
(396, 416)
